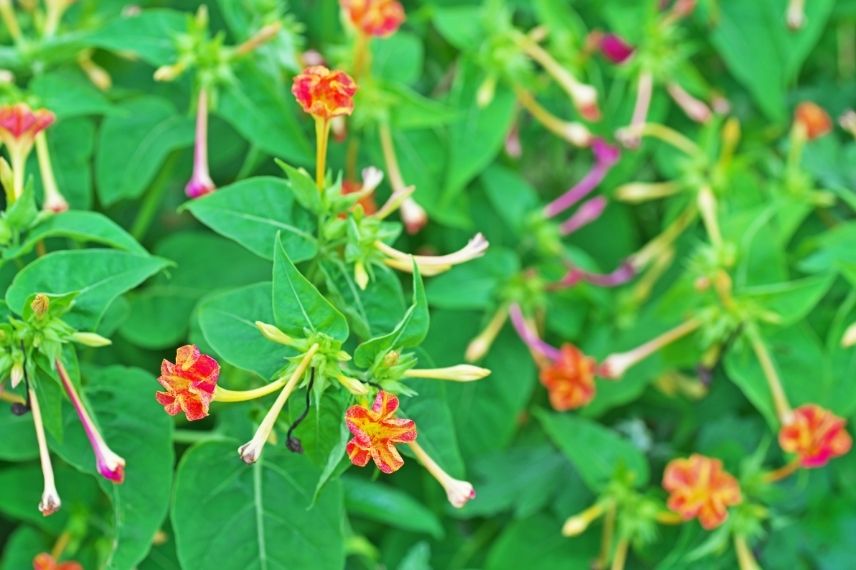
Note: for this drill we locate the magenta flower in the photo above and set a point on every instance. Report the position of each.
(200, 182)
(615, 49)
(605, 156)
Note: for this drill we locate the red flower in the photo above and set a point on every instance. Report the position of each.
(376, 432)
(190, 383)
(379, 18)
(569, 379)
(813, 119)
(700, 487)
(45, 561)
(19, 125)
(816, 435)
(324, 94)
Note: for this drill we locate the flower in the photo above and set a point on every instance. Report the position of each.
(200, 182)
(700, 487)
(458, 491)
(816, 435)
(45, 561)
(569, 379)
(431, 264)
(615, 49)
(19, 125)
(814, 121)
(190, 383)
(605, 157)
(380, 18)
(324, 94)
(413, 215)
(376, 432)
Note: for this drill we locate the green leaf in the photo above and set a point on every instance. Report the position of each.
(136, 427)
(21, 547)
(151, 35)
(81, 227)
(160, 313)
(409, 333)
(252, 212)
(230, 515)
(133, 145)
(298, 306)
(228, 320)
(69, 93)
(473, 285)
(98, 275)
(385, 504)
(538, 541)
(19, 436)
(792, 300)
(256, 105)
(598, 453)
(303, 186)
(398, 58)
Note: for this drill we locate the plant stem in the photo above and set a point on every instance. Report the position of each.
(780, 400)
(782, 472)
(152, 200)
(322, 135)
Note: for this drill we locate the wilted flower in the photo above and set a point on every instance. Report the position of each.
(45, 561)
(190, 383)
(324, 94)
(376, 431)
(380, 18)
(816, 435)
(569, 379)
(812, 119)
(700, 488)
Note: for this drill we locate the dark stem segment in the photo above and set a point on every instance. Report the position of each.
(292, 442)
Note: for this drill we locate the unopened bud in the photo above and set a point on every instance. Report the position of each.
(16, 374)
(849, 338)
(273, 334)
(391, 359)
(40, 305)
(486, 92)
(361, 276)
(92, 339)
(577, 524)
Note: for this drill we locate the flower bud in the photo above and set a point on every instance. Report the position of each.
(577, 524)
(40, 305)
(812, 119)
(94, 340)
(273, 334)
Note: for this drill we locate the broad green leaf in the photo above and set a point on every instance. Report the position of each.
(253, 211)
(436, 424)
(409, 332)
(598, 453)
(151, 35)
(303, 186)
(299, 307)
(227, 514)
(537, 542)
(792, 300)
(69, 93)
(414, 111)
(228, 321)
(473, 285)
(136, 427)
(370, 311)
(257, 106)
(81, 227)
(133, 145)
(98, 275)
(19, 436)
(21, 547)
(398, 58)
(510, 194)
(385, 504)
(159, 313)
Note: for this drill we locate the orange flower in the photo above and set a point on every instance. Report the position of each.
(379, 18)
(19, 124)
(700, 487)
(324, 94)
(813, 119)
(190, 383)
(45, 561)
(816, 435)
(569, 379)
(376, 432)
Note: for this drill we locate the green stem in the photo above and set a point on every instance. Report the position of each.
(152, 200)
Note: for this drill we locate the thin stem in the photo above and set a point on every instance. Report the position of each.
(620, 554)
(657, 245)
(60, 545)
(745, 558)
(563, 77)
(231, 396)
(390, 158)
(18, 163)
(606, 536)
(667, 135)
(11, 398)
(92, 433)
(260, 37)
(322, 135)
(8, 15)
(362, 55)
(152, 200)
(53, 199)
(782, 472)
(780, 400)
(707, 207)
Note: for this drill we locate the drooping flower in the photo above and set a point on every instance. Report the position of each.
(45, 561)
(700, 488)
(379, 18)
(200, 182)
(458, 491)
(433, 264)
(812, 119)
(816, 435)
(189, 383)
(323, 93)
(376, 431)
(569, 379)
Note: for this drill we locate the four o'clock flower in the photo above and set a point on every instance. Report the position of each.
(200, 182)
(812, 121)
(54, 201)
(378, 18)
(324, 94)
(45, 561)
(430, 264)
(50, 502)
(615, 49)
(110, 465)
(695, 109)
(189, 383)
(796, 14)
(19, 125)
(700, 488)
(605, 157)
(458, 492)
(569, 379)
(815, 435)
(413, 215)
(376, 431)
(616, 364)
